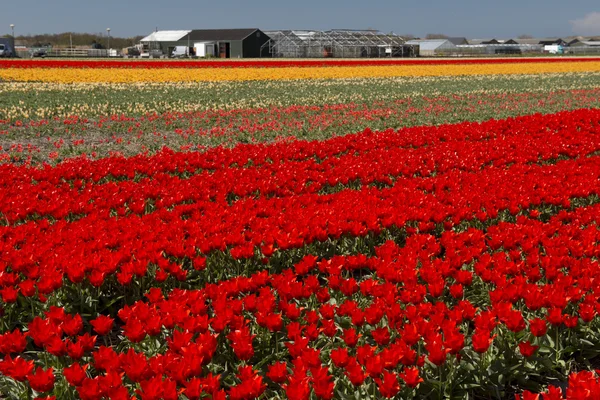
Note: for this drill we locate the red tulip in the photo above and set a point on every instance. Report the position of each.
(388, 386)
(102, 324)
(527, 349)
(41, 380)
(75, 374)
(411, 377)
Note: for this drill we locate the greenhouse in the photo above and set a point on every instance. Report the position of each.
(336, 43)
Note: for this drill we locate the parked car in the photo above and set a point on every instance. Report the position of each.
(5, 51)
(508, 50)
(41, 52)
(181, 51)
(131, 51)
(152, 54)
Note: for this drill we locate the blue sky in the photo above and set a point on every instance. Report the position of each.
(482, 18)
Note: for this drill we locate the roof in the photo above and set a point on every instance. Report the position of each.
(502, 45)
(552, 41)
(221, 34)
(199, 35)
(458, 40)
(418, 41)
(165, 36)
(581, 39)
(479, 41)
(517, 40)
(528, 41)
(336, 38)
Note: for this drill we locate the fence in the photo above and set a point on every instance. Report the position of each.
(502, 50)
(70, 53)
(583, 50)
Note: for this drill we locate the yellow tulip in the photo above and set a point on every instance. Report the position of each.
(98, 75)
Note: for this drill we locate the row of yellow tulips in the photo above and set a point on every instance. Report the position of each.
(75, 75)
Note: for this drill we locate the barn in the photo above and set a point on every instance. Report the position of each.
(222, 43)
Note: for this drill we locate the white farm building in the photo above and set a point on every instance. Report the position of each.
(432, 47)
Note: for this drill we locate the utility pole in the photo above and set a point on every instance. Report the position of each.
(108, 34)
(14, 41)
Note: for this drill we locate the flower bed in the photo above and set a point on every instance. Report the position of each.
(51, 140)
(426, 262)
(273, 63)
(181, 74)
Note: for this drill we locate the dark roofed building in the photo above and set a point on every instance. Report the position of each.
(553, 42)
(223, 43)
(221, 34)
(579, 40)
(585, 43)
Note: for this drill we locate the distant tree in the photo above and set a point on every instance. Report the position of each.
(408, 36)
(96, 45)
(78, 39)
(436, 36)
(524, 36)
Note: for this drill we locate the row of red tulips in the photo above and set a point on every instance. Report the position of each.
(57, 138)
(360, 160)
(185, 274)
(499, 301)
(106, 232)
(8, 63)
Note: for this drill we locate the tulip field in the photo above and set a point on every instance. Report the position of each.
(324, 229)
